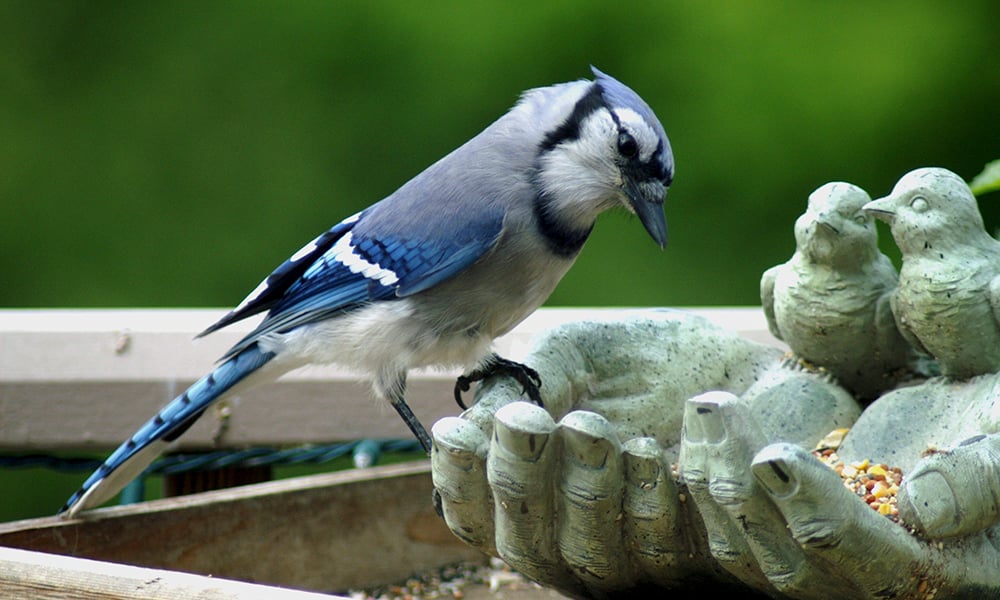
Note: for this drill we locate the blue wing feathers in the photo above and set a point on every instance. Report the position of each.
(277, 283)
(376, 262)
(441, 268)
(434, 249)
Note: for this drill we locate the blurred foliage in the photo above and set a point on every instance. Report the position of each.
(172, 153)
(987, 181)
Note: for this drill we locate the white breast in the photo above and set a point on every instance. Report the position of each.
(383, 337)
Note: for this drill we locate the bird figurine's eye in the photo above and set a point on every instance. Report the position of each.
(627, 145)
(860, 219)
(919, 204)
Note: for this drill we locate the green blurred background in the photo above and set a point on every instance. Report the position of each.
(170, 154)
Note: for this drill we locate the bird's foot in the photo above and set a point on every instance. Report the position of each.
(523, 374)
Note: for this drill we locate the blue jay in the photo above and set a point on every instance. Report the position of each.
(434, 272)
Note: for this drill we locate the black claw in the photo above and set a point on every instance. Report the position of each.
(528, 378)
(462, 384)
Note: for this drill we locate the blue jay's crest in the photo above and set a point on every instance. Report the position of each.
(434, 272)
(609, 93)
(618, 95)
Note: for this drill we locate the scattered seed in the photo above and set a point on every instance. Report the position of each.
(448, 583)
(877, 484)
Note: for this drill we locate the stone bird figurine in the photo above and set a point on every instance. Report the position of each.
(831, 301)
(948, 299)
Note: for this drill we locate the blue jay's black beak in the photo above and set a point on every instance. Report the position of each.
(646, 200)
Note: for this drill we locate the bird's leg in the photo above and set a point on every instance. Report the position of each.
(395, 394)
(495, 365)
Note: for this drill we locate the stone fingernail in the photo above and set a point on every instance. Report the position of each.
(589, 438)
(523, 429)
(642, 464)
(775, 476)
(928, 503)
(457, 437)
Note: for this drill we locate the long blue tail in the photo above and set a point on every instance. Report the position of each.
(133, 456)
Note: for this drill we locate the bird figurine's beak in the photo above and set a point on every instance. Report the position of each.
(646, 201)
(822, 222)
(882, 209)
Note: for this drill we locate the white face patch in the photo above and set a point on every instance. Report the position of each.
(343, 252)
(640, 130)
(580, 177)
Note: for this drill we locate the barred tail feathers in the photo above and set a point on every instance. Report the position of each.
(139, 451)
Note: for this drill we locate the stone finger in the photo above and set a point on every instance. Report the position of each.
(652, 510)
(956, 492)
(521, 472)
(592, 486)
(734, 439)
(863, 550)
(726, 540)
(458, 469)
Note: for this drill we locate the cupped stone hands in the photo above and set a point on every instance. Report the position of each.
(675, 455)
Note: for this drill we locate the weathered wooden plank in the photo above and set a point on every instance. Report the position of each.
(331, 532)
(28, 575)
(160, 344)
(73, 379)
(87, 379)
(42, 416)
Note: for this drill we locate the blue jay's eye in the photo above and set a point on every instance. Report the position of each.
(627, 145)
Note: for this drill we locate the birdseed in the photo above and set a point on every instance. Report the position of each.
(875, 483)
(449, 582)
